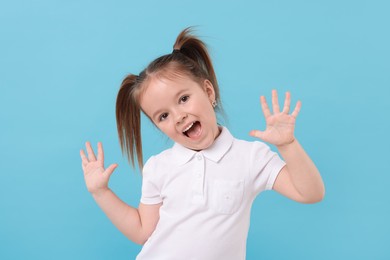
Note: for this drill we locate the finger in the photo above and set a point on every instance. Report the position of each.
(256, 133)
(100, 155)
(296, 110)
(91, 154)
(287, 103)
(275, 102)
(84, 159)
(110, 169)
(264, 107)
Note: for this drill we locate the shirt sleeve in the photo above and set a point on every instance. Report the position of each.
(150, 188)
(265, 166)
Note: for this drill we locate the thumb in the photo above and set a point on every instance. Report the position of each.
(257, 133)
(110, 169)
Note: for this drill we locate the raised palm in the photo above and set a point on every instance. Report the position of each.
(279, 125)
(96, 177)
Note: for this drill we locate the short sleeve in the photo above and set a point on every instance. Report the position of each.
(265, 166)
(150, 188)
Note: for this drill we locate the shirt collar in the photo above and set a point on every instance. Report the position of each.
(215, 152)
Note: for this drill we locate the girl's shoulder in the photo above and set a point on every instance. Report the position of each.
(247, 146)
(163, 156)
(157, 166)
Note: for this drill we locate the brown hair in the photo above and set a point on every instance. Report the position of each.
(189, 58)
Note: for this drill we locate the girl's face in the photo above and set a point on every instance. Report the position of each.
(182, 109)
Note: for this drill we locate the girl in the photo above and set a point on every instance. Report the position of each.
(197, 195)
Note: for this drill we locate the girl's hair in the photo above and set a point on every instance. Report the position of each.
(189, 58)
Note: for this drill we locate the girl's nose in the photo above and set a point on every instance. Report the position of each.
(181, 117)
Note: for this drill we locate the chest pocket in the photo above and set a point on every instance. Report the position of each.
(227, 195)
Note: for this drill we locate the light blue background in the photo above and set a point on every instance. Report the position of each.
(61, 64)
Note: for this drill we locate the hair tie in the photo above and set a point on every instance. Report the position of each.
(175, 51)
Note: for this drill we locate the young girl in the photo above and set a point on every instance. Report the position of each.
(197, 195)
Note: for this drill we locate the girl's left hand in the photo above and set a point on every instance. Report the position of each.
(280, 125)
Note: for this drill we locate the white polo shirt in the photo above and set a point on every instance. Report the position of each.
(207, 198)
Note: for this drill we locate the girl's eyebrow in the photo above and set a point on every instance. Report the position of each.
(181, 93)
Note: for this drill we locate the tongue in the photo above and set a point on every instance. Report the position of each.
(194, 131)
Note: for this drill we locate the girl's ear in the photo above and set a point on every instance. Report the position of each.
(209, 89)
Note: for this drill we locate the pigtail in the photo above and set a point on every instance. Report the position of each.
(195, 49)
(128, 118)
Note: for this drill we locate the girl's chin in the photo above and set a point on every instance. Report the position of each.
(199, 146)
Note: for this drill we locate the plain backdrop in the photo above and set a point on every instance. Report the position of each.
(61, 64)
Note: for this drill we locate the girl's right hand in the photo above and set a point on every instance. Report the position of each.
(96, 177)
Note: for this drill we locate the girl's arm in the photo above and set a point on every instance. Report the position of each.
(299, 179)
(136, 224)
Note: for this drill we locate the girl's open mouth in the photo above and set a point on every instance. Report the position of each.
(193, 130)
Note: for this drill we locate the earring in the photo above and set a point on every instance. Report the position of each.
(214, 103)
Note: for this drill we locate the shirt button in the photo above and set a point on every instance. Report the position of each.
(199, 157)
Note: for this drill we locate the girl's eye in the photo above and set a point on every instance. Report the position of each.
(184, 99)
(163, 116)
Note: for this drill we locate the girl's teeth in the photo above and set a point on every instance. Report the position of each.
(185, 130)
